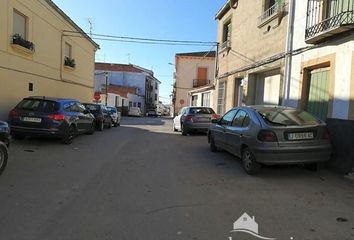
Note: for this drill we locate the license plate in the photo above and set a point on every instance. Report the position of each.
(300, 136)
(32, 119)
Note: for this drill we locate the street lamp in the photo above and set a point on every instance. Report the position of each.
(106, 77)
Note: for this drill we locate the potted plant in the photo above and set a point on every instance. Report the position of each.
(19, 40)
(70, 62)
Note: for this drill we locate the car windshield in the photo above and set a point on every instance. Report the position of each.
(92, 107)
(201, 111)
(287, 117)
(38, 105)
(111, 110)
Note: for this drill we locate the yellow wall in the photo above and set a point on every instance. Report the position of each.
(186, 72)
(249, 43)
(44, 67)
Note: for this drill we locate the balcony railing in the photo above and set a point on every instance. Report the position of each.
(200, 83)
(270, 14)
(226, 44)
(318, 29)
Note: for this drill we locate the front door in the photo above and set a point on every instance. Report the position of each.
(318, 95)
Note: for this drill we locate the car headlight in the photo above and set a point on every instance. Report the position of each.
(5, 129)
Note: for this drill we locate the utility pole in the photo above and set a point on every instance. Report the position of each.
(106, 76)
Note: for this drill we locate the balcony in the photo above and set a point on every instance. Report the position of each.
(336, 18)
(225, 45)
(200, 83)
(271, 13)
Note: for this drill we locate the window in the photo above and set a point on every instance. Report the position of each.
(19, 24)
(139, 104)
(130, 104)
(155, 97)
(268, 4)
(194, 100)
(241, 119)
(221, 98)
(226, 35)
(134, 104)
(67, 50)
(228, 117)
(156, 86)
(206, 99)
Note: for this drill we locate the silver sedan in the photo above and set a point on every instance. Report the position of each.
(270, 135)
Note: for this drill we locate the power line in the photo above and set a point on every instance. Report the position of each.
(146, 39)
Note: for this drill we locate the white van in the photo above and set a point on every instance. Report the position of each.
(135, 111)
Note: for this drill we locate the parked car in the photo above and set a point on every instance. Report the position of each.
(135, 111)
(50, 117)
(101, 114)
(152, 113)
(271, 135)
(115, 116)
(5, 133)
(191, 119)
(4, 144)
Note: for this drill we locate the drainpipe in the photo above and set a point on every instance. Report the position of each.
(289, 50)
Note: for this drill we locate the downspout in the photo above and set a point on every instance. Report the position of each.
(61, 56)
(289, 50)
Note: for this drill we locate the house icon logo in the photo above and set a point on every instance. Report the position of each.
(248, 224)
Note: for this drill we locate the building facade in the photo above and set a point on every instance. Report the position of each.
(124, 76)
(43, 53)
(252, 40)
(321, 79)
(193, 71)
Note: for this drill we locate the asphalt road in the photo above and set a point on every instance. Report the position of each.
(142, 181)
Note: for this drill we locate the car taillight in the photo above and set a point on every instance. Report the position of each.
(267, 136)
(189, 118)
(215, 116)
(13, 113)
(56, 117)
(325, 134)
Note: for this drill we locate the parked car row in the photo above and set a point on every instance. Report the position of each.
(59, 118)
(4, 144)
(261, 135)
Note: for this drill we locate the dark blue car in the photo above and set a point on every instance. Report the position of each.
(50, 117)
(4, 144)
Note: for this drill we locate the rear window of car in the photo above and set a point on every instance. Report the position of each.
(201, 111)
(92, 107)
(287, 117)
(111, 110)
(38, 105)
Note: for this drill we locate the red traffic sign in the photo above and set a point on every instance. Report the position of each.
(97, 96)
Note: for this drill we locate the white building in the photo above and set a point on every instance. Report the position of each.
(321, 72)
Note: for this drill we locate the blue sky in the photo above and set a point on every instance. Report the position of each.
(160, 19)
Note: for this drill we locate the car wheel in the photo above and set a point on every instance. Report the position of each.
(3, 157)
(184, 130)
(69, 135)
(249, 162)
(213, 147)
(100, 126)
(92, 129)
(18, 137)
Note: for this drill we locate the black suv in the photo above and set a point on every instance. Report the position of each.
(50, 117)
(4, 144)
(102, 117)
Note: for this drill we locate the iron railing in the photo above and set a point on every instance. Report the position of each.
(269, 13)
(226, 44)
(324, 16)
(199, 83)
(343, 18)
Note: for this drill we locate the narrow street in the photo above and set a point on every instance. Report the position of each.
(143, 181)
